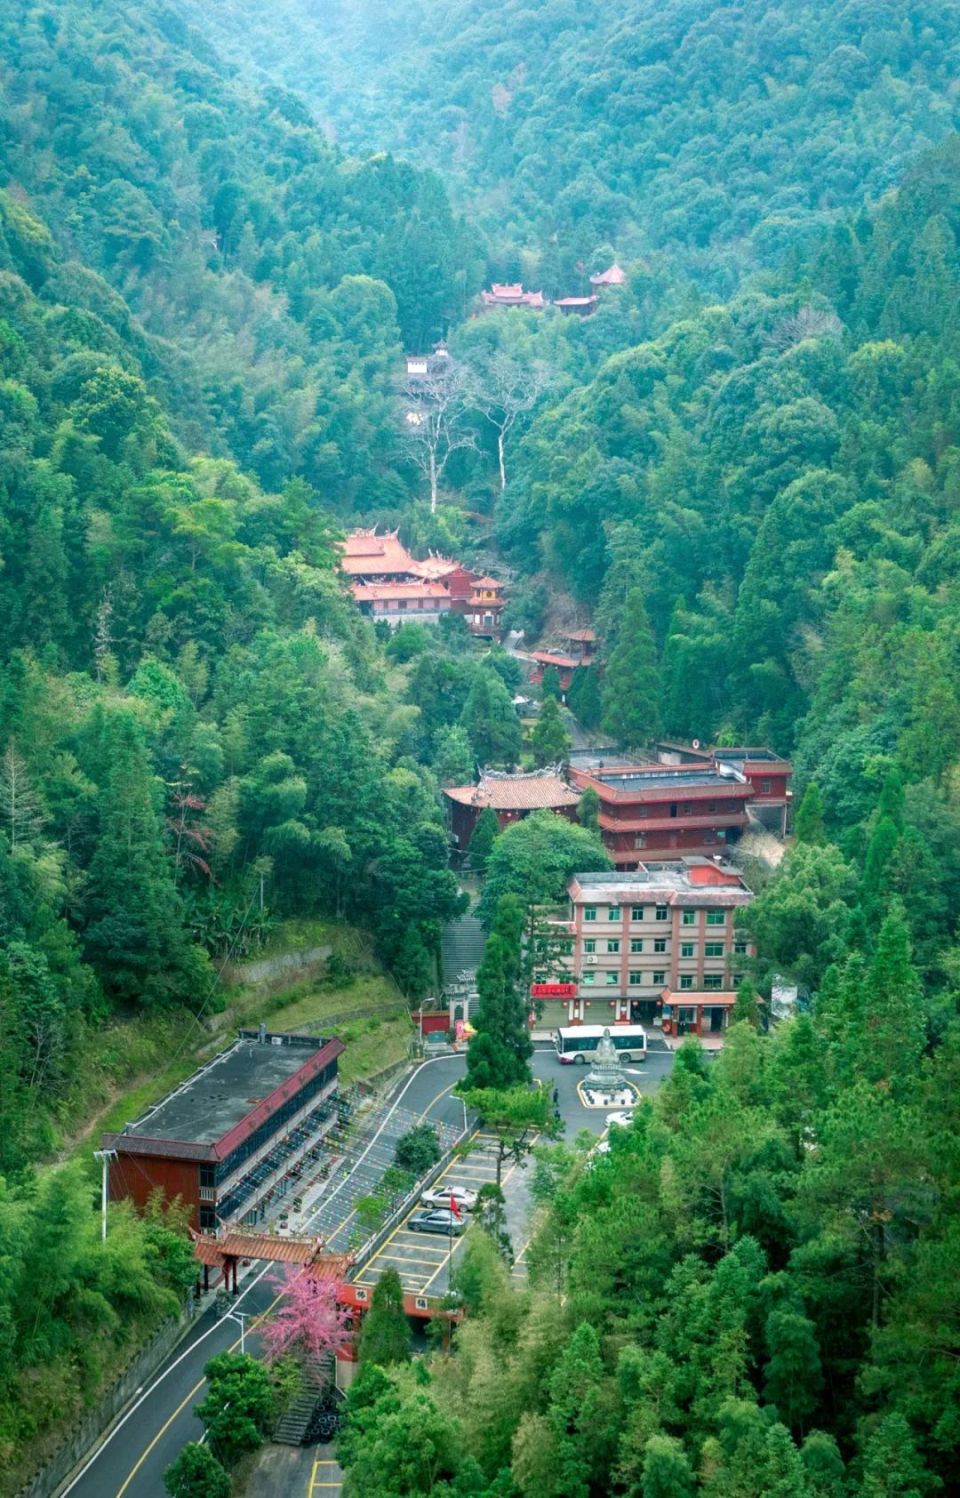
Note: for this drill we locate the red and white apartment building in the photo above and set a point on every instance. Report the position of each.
(656, 946)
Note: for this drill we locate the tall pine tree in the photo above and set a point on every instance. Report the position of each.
(135, 935)
(631, 687)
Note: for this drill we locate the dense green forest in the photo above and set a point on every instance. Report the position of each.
(753, 1293)
(743, 468)
(700, 139)
(273, 279)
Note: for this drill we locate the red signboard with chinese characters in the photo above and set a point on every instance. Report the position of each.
(553, 990)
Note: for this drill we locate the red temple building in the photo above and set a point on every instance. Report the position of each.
(563, 664)
(389, 584)
(368, 557)
(766, 771)
(577, 647)
(485, 606)
(414, 602)
(667, 812)
(576, 306)
(769, 776)
(512, 797)
(234, 1136)
(511, 295)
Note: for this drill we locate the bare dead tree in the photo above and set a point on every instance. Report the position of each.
(20, 811)
(507, 389)
(806, 322)
(436, 409)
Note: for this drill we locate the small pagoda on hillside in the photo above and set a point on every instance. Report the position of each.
(612, 276)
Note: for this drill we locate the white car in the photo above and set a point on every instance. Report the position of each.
(439, 1196)
(619, 1120)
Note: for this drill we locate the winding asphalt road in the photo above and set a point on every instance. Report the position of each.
(131, 1462)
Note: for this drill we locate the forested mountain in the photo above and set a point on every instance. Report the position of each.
(743, 467)
(274, 279)
(713, 138)
(778, 475)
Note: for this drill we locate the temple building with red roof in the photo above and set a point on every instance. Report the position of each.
(576, 306)
(667, 811)
(389, 584)
(236, 1135)
(413, 602)
(511, 295)
(512, 796)
(366, 556)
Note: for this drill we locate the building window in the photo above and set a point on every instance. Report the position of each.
(589, 944)
(663, 913)
(659, 979)
(613, 913)
(709, 837)
(765, 787)
(636, 979)
(613, 946)
(589, 912)
(711, 806)
(588, 978)
(208, 1175)
(640, 841)
(613, 980)
(660, 944)
(737, 979)
(689, 917)
(208, 1220)
(713, 980)
(636, 912)
(636, 944)
(686, 949)
(566, 949)
(713, 949)
(686, 981)
(740, 947)
(716, 917)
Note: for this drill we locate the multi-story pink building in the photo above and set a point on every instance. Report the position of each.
(636, 943)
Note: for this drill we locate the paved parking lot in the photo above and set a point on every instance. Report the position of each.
(424, 1260)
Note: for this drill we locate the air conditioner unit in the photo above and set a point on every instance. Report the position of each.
(591, 961)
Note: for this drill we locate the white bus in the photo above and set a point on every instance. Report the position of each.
(579, 1042)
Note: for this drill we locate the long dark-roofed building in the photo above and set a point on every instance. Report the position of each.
(234, 1136)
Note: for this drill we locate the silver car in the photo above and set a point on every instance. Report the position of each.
(439, 1196)
(436, 1222)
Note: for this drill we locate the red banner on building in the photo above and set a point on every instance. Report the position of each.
(553, 990)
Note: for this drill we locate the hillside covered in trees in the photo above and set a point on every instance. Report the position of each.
(702, 138)
(274, 280)
(743, 467)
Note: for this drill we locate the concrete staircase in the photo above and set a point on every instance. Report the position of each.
(316, 1375)
(461, 947)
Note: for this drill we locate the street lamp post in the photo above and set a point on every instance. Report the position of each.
(104, 1156)
(241, 1317)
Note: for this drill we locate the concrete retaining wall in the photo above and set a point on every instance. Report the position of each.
(96, 1422)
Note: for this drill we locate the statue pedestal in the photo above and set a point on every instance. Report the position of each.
(605, 1086)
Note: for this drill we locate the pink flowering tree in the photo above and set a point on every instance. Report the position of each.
(309, 1320)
